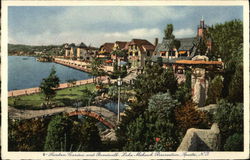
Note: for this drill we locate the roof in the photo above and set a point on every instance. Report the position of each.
(198, 62)
(72, 45)
(108, 47)
(121, 44)
(126, 46)
(82, 45)
(148, 47)
(164, 46)
(143, 44)
(140, 42)
(186, 43)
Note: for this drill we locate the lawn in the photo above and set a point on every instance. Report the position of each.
(64, 97)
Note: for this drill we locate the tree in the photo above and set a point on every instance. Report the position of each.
(85, 136)
(65, 134)
(214, 93)
(48, 85)
(96, 68)
(155, 79)
(156, 128)
(226, 38)
(236, 85)
(172, 42)
(169, 31)
(229, 117)
(188, 116)
(234, 143)
(183, 93)
(27, 135)
(58, 134)
(227, 43)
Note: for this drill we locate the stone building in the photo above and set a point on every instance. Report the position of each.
(82, 51)
(79, 52)
(119, 46)
(138, 51)
(105, 50)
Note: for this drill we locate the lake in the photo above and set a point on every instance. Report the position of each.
(26, 72)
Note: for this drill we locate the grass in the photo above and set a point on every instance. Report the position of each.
(64, 97)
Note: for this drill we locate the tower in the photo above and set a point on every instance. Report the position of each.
(201, 28)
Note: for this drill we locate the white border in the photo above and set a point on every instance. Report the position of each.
(39, 155)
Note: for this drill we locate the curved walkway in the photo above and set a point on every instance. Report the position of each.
(100, 113)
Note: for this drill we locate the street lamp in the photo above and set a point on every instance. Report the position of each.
(119, 82)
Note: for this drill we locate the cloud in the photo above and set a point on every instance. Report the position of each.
(93, 38)
(99, 24)
(183, 33)
(135, 33)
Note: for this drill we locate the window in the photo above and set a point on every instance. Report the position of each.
(131, 54)
(163, 54)
(148, 53)
(136, 53)
(172, 53)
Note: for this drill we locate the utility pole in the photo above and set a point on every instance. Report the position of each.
(119, 82)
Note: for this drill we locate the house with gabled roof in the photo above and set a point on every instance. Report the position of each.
(180, 48)
(82, 51)
(79, 52)
(105, 50)
(121, 47)
(138, 51)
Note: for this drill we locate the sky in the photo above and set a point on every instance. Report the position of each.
(95, 25)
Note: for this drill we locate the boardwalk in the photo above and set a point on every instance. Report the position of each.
(102, 113)
(82, 66)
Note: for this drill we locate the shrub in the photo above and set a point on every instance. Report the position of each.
(214, 90)
(188, 116)
(156, 128)
(234, 143)
(230, 119)
(27, 135)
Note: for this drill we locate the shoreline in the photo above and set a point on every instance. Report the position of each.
(34, 90)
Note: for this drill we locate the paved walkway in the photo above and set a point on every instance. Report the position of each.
(61, 86)
(28, 114)
(37, 90)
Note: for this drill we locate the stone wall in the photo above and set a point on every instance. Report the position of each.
(199, 86)
(201, 139)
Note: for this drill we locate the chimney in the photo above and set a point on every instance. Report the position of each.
(156, 42)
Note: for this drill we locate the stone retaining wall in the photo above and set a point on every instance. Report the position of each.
(201, 139)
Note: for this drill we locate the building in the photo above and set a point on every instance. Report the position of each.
(82, 51)
(122, 48)
(79, 52)
(70, 50)
(182, 48)
(138, 51)
(105, 50)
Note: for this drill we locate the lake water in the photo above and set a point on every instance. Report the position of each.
(112, 106)
(26, 72)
